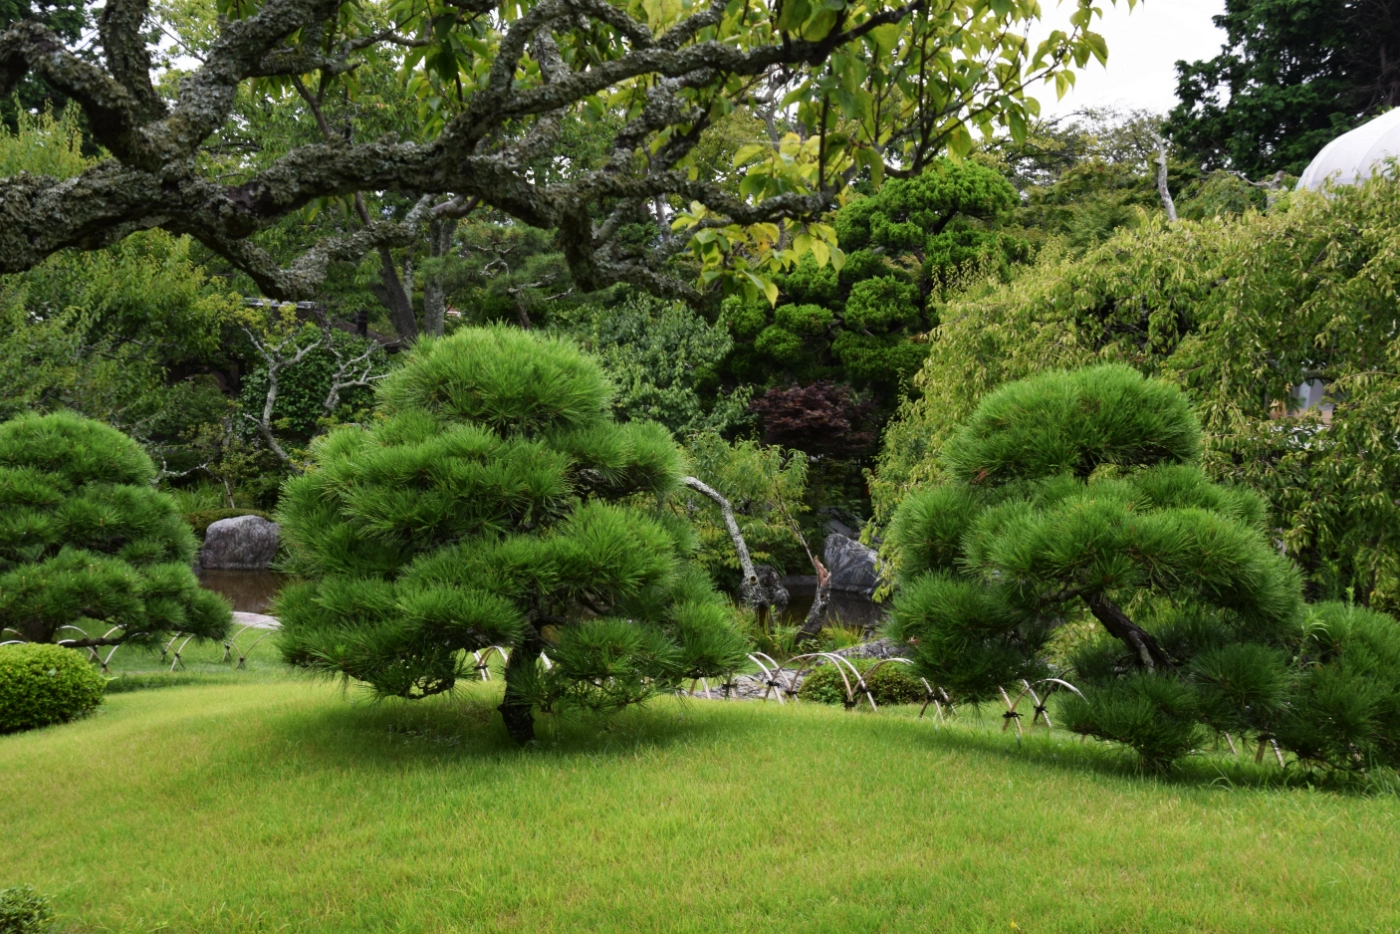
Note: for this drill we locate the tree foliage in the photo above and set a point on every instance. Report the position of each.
(860, 325)
(766, 485)
(1081, 491)
(819, 419)
(1292, 75)
(90, 553)
(499, 88)
(663, 361)
(1238, 312)
(496, 502)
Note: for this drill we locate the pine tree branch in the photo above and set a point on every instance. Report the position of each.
(1144, 645)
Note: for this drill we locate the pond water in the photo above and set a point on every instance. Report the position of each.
(248, 591)
(253, 592)
(842, 608)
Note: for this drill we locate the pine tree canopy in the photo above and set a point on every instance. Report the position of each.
(496, 502)
(1079, 491)
(90, 553)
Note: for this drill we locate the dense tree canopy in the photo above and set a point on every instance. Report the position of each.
(500, 87)
(1293, 75)
(1240, 312)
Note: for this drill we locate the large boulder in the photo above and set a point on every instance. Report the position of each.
(243, 543)
(852, 565)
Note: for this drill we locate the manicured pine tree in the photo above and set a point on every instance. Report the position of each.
(496, 502)
(1078, 492)
(87, 543)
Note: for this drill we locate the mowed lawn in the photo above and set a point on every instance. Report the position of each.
(288, 805)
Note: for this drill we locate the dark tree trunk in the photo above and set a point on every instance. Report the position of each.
(434, 286)
(812, 625)
(517, 707)
(396, 299)
(1143, 644)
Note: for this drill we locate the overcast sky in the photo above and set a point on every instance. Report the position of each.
(1143, 48)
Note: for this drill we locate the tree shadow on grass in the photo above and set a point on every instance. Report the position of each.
(1064, 751)
(465, 725)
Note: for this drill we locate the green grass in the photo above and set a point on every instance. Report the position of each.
(285, 805)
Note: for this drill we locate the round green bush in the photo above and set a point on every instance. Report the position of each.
(891, 683)
(45, 684)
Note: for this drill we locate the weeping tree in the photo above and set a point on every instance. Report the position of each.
(1078, 493)
(91, 554)
(496, 502)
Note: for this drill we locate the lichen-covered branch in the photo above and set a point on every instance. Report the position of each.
(545, 65)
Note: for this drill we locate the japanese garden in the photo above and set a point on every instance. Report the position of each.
(652, 465)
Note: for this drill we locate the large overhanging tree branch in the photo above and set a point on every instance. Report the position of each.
(897, 81)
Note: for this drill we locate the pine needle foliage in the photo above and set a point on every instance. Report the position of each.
(1080, 491)
(496, 502)
(90, 553)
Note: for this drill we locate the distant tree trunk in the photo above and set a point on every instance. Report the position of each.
(1165, 192)
(812, 625)
(396, 297)
(440, 232)
(751, 589)
(517, 708)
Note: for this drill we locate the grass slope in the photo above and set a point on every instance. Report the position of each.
(284, 806)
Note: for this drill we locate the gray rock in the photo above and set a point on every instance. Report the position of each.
(243, 543)
(255, 621)
(880, 648)
(852, 565)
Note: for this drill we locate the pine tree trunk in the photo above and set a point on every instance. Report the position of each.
(517, 709)
(1142, 642)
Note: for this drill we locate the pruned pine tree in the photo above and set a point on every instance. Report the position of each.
(92, 555)
(1079, 491)
(497, 503)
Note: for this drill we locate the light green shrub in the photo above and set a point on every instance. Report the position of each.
(45, 684)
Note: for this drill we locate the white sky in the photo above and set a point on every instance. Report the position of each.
(1143, 48)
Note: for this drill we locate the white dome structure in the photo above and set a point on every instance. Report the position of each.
(1354, 157)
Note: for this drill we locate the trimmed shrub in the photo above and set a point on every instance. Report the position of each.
(1344, 709)
(24, 911)
(496, 502)
(90, 553)
(45, 684)
(891, 683)
(1078, 494)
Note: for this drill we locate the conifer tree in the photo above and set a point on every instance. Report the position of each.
(90, 554)
(496, 502)
(1079, 491)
